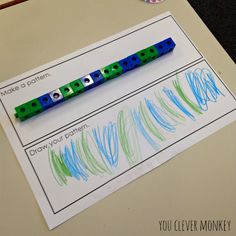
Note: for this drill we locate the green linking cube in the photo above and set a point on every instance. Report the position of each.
(67, 91)
(148, 54)
(28, 109)
(111, 71)
(116, 69)
(77, 86)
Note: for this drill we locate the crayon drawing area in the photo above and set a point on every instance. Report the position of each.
(98, 151)
(131, 134)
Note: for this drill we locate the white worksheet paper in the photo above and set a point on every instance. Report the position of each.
(91, 145)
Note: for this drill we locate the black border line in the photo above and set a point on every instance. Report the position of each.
(40, 183)
(55, 212)
(24, 145)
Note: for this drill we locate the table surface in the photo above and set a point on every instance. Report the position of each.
(197, 184)
(223, 27)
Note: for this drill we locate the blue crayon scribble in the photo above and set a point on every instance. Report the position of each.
(174, 99)
(108, 143)
(138, 122)
(158, 115)
(76, 156)
(73, 163)
(203, 86)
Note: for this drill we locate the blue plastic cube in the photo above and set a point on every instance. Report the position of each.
(125, 64)
(133, 61)
(46, 101)
(97, 78)
(165, 46)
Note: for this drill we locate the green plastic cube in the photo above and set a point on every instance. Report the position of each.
(107, 73)
(28, 109)
(77, 87)
(148, 54)
(116, 69)
(67, 91)
(111, 71)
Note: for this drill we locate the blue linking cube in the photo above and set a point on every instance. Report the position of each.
(97, 78)
(134, 60)
(126, 65)
(46, 101)
(165, 46)
(130, 62)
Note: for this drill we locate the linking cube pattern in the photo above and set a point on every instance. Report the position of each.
(78, 86)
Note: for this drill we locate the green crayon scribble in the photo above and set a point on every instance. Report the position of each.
(128, 138)
(167, 107)
(148, 122)
(58, 167)
(182, 94)
(93, 165)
